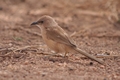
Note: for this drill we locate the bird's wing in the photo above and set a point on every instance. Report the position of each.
(57, 34)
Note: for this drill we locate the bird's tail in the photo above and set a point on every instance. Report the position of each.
(77, 50)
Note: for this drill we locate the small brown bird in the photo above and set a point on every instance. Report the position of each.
(57, 39)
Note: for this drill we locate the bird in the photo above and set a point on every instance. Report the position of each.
(57, 39)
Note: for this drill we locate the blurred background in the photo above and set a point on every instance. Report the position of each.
(73, 15)
(93, 24)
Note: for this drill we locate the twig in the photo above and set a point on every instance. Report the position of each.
(86, 28)
(25, 47)
(100, 14)
(31, 32)
(8, 49)
(15, 49)
(107, 56)
(28, 31)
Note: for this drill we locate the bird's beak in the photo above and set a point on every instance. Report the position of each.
(34, 23)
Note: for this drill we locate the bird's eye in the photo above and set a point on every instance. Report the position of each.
(41, 21)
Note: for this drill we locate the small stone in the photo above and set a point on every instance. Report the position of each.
(17, 55)
(102, 66)
(91, 63)
(26, 62)
(10, 44)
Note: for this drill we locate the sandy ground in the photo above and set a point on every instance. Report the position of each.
(94, 26)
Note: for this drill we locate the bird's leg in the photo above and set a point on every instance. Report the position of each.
(65, 55)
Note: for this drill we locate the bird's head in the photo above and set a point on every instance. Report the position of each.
(45, 21)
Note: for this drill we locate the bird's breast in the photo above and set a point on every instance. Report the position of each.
(57, 47)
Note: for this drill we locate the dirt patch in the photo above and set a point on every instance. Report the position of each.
(94, 25)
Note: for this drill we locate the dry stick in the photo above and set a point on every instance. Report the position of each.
(99, 14)
(32, 46)
(16, 49)
(85, 29)
(46, 53)
(29, 31)
(107, 56)
(35, 33)
(20, 48)
(6, 49)
(3, 49)
(25, 47)
(91, 26)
